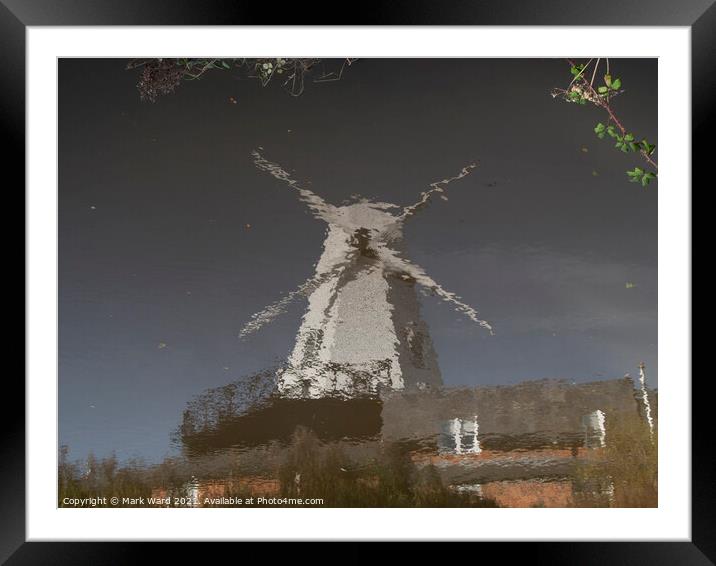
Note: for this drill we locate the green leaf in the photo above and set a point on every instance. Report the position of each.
(632, 146)
(646, 179)
(599, 128)
(616, 84)
(601, 135)
(629, 137)
(602, 90)
(607, 80)
(635, 175)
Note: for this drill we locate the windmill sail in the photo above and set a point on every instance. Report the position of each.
(362, 331)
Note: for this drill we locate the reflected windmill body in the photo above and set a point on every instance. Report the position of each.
(362, 332)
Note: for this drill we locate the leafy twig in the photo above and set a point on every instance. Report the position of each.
(581, 91)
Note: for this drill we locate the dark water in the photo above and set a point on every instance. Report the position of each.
(171, 238)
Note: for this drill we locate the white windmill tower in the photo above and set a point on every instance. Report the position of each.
(362, 331)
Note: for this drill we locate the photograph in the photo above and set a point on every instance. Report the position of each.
(358, 282)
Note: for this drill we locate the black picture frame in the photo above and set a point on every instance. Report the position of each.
(16, 15)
